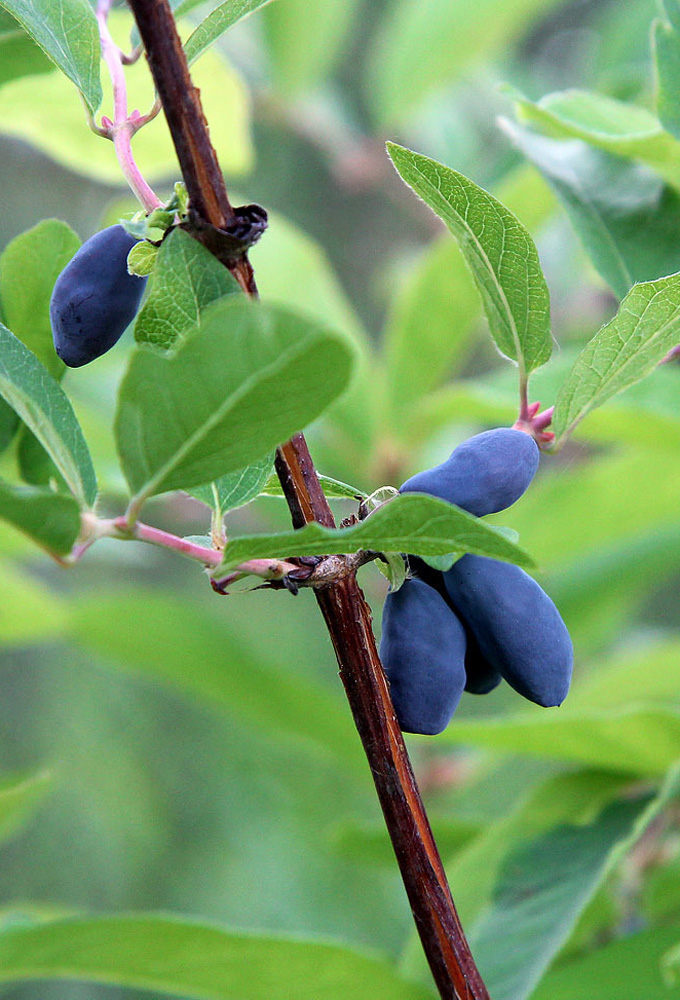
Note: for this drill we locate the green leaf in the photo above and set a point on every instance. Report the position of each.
(637, 739)
(35, 466)
(626, 217)
(216, 23)
(432, 319)
(179, 643)
(333, 488)
(533, 808)
(141, 952)
(643, 675)
(50, 519)
(29, 267)
(9, 424)
(29, 612)
(623, 351)
(186, 279)
(142, 258)
(305, 40)
(19, 55)
(499, 251)
(370, 844)
(411, 522)
(67, 31)
(248, 378)
(545, 886)
(42, 404)
(425, 45)
(20, 796)
(629, 967)
(237, 488)
(618, 128)
(666, 49)
(46, 112)
(346, 437)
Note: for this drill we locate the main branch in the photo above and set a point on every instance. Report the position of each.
(345, 611)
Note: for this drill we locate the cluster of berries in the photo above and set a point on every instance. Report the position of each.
(482, 620)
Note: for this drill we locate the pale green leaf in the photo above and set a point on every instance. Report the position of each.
(499, 251)
(432, 318)
(544, 887)
(346, 436)
(46, 112)
(333, 488)
(42, 404)
(626, 217)
(533, 808)
(305, 39)
(423, 45)
(67, 31)
(29, 267)
(622, 129)
(638, 739)
(628, 967)
(248, 378)
(19, 54)
(29, 611)
(20, 797)
(216, 23)
(178, 643)
(142, 258)
(149, 952)
(626, 349)
(666, 48)
(52, 520)
(238, 488)
(186, 279)
(411, 522)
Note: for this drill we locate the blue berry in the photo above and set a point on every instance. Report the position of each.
(423, 651)
(484, 475)
(518, 628)
(95, 298)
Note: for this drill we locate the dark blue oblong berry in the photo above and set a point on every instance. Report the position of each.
(95, 298)
(484, 475)
(519, 630)
(423, 651)
(481, 676)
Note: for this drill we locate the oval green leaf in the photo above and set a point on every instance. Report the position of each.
(42, 404)
(245, 380)
(499, 251)
(412, 522)
(645, 329)
(141, 952)
(67, 32)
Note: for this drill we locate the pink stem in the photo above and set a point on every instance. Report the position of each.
(146, 533)
(123, 128)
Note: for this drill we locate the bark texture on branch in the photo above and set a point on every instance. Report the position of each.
(345, 611)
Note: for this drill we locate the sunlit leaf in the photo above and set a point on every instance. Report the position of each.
(411, 522)
(142, 952)
(186, 279)
(248, 378)
(626, 349)
(50, 519)
(67, 31)
(41, 403)
(499, 251)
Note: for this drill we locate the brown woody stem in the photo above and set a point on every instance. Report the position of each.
(345, 611)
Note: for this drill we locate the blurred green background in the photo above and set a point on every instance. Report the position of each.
(200, 753)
